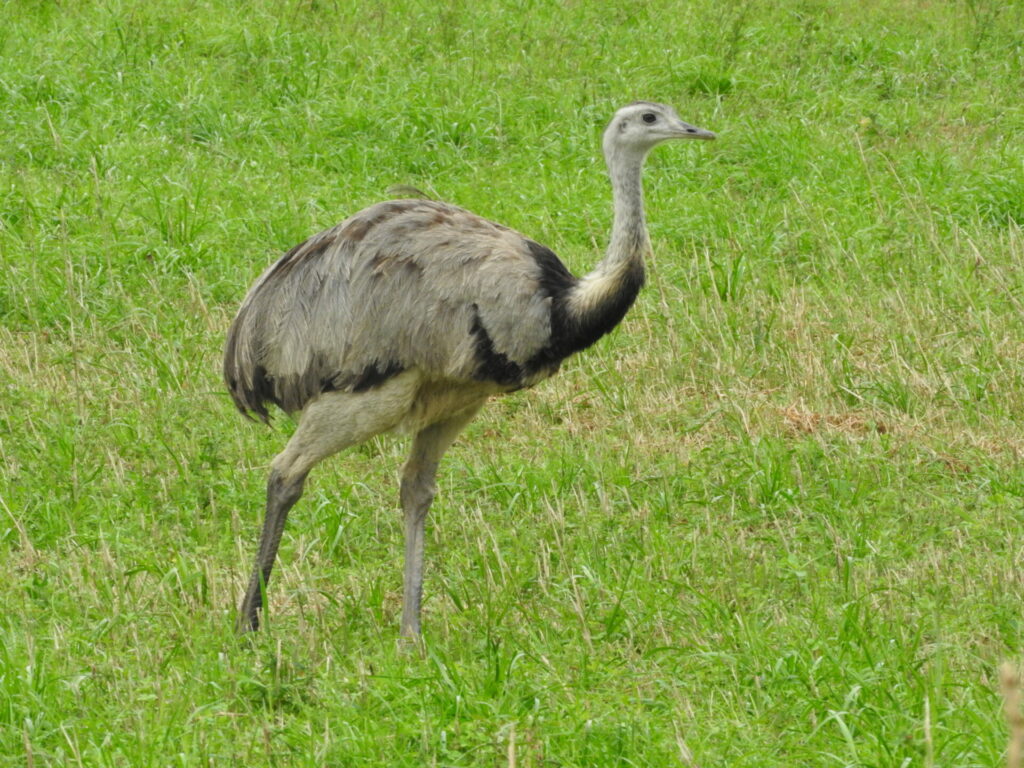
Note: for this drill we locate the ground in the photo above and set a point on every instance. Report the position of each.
(774, 520)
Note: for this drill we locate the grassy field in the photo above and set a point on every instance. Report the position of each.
(776, 519)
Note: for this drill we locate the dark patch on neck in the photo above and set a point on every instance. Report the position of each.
(492, 365)
(600, 320)
(555, 278)
(572, 332)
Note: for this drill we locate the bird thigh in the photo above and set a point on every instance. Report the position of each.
(428, 447)
(337, 420)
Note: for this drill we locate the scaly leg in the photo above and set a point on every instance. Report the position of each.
(281, 496)
(417, 492)
(331, 423)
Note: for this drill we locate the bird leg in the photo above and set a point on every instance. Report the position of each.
(281, 496)
(417, 492)
(333, 422)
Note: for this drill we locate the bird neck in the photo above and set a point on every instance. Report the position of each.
(629, 242)
(603, 295)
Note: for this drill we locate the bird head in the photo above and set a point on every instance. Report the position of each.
(639, 127)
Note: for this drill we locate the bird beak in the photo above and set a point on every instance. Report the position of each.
(686, 131)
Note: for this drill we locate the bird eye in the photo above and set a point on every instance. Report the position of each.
(650, 117)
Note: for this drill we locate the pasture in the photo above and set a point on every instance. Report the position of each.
(775, 519)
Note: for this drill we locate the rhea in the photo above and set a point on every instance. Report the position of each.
(408, 316)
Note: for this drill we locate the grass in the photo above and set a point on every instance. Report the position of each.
(774, 520)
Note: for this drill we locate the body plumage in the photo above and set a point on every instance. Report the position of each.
(409, 315)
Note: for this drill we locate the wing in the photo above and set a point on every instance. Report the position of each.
(407, 284)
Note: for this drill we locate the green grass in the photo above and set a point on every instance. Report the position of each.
(776, 519)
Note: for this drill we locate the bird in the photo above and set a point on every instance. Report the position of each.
(407, 317)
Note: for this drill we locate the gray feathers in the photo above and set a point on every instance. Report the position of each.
(403, 284)
(418, 285)
(409, 315)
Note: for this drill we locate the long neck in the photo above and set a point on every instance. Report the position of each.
(629, 241)
(598, 302)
